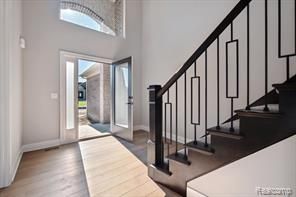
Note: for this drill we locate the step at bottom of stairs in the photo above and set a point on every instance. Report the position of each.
(200, 147)
(180, 157)
(164, 168)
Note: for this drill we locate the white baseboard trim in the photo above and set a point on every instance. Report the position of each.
(141, 127)
(146, 128)
(63, 142)
(57, 142)
(41, 145)
(181, 139)
(28, 148)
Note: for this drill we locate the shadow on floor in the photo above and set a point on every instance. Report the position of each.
(103, 128)
(138, 146)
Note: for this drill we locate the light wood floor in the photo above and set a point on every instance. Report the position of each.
(86, 131)
(100, 167)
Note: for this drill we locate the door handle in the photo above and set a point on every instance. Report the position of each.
(130, 103)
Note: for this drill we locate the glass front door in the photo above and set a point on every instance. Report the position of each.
(122, 98)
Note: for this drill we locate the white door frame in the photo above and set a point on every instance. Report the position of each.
(64, 53)
(63, 69)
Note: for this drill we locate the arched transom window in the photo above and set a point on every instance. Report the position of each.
(100, 15)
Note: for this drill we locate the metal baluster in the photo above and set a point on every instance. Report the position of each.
(176, 152)
(199, 100)
(279, 29)
(288, 67)
(165, 127)
(231, 31)
(218, 84)
(171, 124)
(185, 115)
(165, 122)
(287, 56)
(180, 156)
(266, 57)
(248, 57)
(280, 40)
(227, 90)
(191, 100)
(232, 97)
(206, 98)
(231, 114)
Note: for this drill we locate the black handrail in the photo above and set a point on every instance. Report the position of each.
(203, 47)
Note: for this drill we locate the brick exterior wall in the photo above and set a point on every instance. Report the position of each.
(105, 90)
(93, 98)
(98, 96)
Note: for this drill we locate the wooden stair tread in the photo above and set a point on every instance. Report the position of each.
(224, 131)
(200, 147)
(180, 157)
(259, 112)
(291, 86)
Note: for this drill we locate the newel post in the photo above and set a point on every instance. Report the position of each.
(155, 123)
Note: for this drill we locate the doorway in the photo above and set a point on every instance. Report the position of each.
(95, 97)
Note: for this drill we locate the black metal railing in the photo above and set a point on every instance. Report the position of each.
(158, 121)
(280, 55)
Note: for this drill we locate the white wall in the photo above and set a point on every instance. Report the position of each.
(46, 35)
(270, 167)
(11, 89)
(173, 30)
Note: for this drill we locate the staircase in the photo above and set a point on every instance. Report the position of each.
(174, 156)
